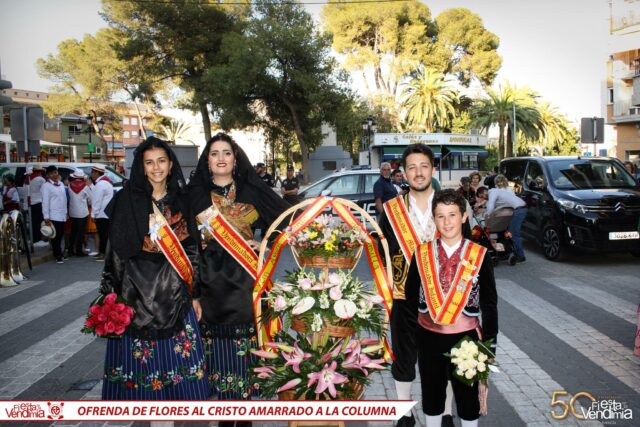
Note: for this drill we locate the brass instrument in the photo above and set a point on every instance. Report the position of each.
(19, 243)
(12, 240)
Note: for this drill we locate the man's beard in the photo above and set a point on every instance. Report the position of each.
(421, 187)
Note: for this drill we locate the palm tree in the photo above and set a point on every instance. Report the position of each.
(428, 100)
(498, 109)
(178, 130)
(554, 126)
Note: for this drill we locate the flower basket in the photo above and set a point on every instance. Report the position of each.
(356, 390)
(299, 325)
(344, 262)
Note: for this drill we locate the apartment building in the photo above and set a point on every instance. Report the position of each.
(622, 92)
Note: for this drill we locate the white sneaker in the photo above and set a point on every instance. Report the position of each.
(94, 253)
(41, 244)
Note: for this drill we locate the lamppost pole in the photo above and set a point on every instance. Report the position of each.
(369, 127)
(69, 142)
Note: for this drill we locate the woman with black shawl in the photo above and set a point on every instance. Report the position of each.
(226, 183)
(160, 355)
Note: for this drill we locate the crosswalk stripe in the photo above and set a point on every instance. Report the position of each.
(19, 372)
(527, 387)
(5, 292)
(623, 309)
(612, 356)
(16, 317)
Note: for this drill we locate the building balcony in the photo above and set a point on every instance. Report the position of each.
(625, 112)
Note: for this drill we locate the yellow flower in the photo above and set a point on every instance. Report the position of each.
(177, 348)
(313, 235)
(199, 374)
(329, 246)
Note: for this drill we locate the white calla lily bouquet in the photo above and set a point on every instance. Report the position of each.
(324, 299)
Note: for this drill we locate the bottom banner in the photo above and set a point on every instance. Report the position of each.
(220, 410)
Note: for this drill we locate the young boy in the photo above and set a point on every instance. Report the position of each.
(450, 284)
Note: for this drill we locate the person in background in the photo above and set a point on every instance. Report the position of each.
(265, 176)
(54, 209)
(632, 169)
(290, 187)
(383, 189)
(33, 185)
(466, 191)
(101, 195)
(79, 200)
(503, 196)
(480, 208)
(278, 179)
(397, 180)
(475, 180)
(489, 181)
(10, 196)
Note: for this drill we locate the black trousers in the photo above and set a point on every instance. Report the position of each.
(36, 220)
(102, 224)
(403, 344)
(436, 370)
(56, 242)
(76, 239)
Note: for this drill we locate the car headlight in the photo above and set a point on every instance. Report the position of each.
(571, 205)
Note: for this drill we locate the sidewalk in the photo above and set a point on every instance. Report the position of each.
(39, 256)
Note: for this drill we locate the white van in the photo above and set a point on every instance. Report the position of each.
(64, 168)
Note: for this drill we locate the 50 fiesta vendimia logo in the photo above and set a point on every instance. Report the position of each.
(585, 406)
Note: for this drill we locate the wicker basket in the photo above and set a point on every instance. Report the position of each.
(345, 262)
(299, 325)
(357, 388)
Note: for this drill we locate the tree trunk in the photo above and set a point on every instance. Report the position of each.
(304, 150)
(501, 141)
(509, 144)
(206, 121)
(143, 133)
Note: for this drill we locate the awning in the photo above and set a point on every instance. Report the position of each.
(390, 153)
(460, 150)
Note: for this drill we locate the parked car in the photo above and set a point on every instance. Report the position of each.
(355, 185)
(588, 203)
(64, 168)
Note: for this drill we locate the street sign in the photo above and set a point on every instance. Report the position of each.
(91, 148)
(592, 130)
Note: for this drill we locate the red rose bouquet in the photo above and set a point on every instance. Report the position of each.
(108, 316)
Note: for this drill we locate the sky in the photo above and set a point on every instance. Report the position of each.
(556, 47)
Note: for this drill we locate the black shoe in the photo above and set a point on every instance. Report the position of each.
(59, 260)
(406, 421)
(234, 423)
(447, 421)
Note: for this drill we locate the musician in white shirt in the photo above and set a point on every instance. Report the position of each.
(101, 195)
(54, 209)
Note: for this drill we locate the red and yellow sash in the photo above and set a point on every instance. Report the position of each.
(445, 309)
(401, 225)
(213, 223)
(161, 233)
(263, 281)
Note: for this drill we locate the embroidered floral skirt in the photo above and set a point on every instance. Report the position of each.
(157, 369)
(229, 360)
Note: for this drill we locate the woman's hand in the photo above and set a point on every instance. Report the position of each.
(254, 244)
(197, 308)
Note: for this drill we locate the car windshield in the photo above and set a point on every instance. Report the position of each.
(577, 174)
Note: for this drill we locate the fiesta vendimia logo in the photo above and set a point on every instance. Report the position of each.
(25, 410)
(584, 406)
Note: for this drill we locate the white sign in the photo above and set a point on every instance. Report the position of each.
(403, 139)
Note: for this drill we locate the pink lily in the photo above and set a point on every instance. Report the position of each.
(264, 369)
(375, 364)
(289, 385)
(369, 341)
(356, 360)
(295, 357)
(264, 354)
(327, 378)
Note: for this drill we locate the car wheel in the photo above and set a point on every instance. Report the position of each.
(552, 243)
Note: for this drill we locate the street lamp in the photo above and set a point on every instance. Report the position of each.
(90, 130)
(369, 127)
(69, 142)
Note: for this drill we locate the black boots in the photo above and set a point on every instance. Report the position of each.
(406, 421)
